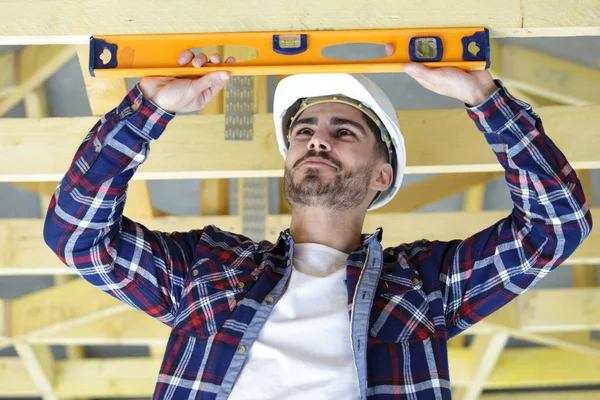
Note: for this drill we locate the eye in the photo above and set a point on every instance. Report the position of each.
(302, 131)
(345, 132)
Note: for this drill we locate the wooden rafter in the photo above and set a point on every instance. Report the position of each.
(42, 62)
(41, 150)
(50, 21)
(545, 75)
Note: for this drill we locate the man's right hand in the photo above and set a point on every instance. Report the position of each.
(185, 94)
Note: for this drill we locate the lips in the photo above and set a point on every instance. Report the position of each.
(319, 160)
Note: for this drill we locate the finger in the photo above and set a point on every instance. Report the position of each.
(185, 57)
(216, 85)
(230, 59)
(389, 49)
(199, 60)
(415, 70)
(215, 58)
(209, 81)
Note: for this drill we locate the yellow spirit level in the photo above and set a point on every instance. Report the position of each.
(286, 53)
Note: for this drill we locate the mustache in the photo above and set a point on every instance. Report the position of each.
(313, 153)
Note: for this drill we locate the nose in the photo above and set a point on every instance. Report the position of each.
(319, 142)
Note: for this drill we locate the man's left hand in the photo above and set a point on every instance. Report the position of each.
(470, 87)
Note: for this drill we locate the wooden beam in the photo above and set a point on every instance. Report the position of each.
(130, 328)
(23, 251)
(15, 380)
(7, 73)
(44, 62)
(551, 310)
(546, 395)
(544, 75)
(485, 352)
(60, 307)
(582, 276)
(133, 327)
(406, 227)
(434, 189)
(136, 377)
(520, 368)
(39, 363)
(48, 21)
(42, 150)
(4, 321)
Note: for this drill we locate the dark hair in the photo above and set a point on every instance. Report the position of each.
(379, 148)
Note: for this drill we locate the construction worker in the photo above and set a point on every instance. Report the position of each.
(324, 312)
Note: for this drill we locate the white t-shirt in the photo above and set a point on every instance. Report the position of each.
(303, 351)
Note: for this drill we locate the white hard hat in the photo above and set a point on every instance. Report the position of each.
(357, 90)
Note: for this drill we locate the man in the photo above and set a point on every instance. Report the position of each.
(324, 312)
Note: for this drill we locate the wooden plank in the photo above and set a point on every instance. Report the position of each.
(133, 327)
(4, 320)
(7, 73)
(214, 197)
(44, 62)
(545, 395)
(42, 150)
(32, 21)
(520, 368)
(485, 352)
(23, 251)
(517, 368)
(107, 378)
(39, 363)
(582, 276)
(407, 227)
(551, 309)
(14, 379)
(545, 75)
(436, 188)
(60, 306)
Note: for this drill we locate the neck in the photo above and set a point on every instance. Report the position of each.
(339, 230)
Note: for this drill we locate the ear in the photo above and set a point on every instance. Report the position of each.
(383, 179)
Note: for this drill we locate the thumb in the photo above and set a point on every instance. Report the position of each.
(213, 81)
(415, 70)
(206, 88)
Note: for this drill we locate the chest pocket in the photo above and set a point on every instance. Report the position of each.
(211, 293)
(400, 309)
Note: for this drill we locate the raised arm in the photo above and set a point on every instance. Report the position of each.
(550, 217)
(85, 225)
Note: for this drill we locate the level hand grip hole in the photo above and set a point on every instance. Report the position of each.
(105, 56)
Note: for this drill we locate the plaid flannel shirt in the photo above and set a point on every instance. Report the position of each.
(215, 289)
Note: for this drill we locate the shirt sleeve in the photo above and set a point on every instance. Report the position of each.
(550, 218)
(85, 225)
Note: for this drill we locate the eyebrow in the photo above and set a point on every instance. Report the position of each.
(336, 121)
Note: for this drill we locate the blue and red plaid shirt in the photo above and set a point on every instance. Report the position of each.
(216, 288)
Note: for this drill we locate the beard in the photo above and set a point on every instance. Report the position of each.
(346, 191)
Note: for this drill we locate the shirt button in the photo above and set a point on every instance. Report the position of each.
(241, 285)
(195, 272)
(416, 280)
(98, 148)
(242, 350)
(270, 300)
(134, 107)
